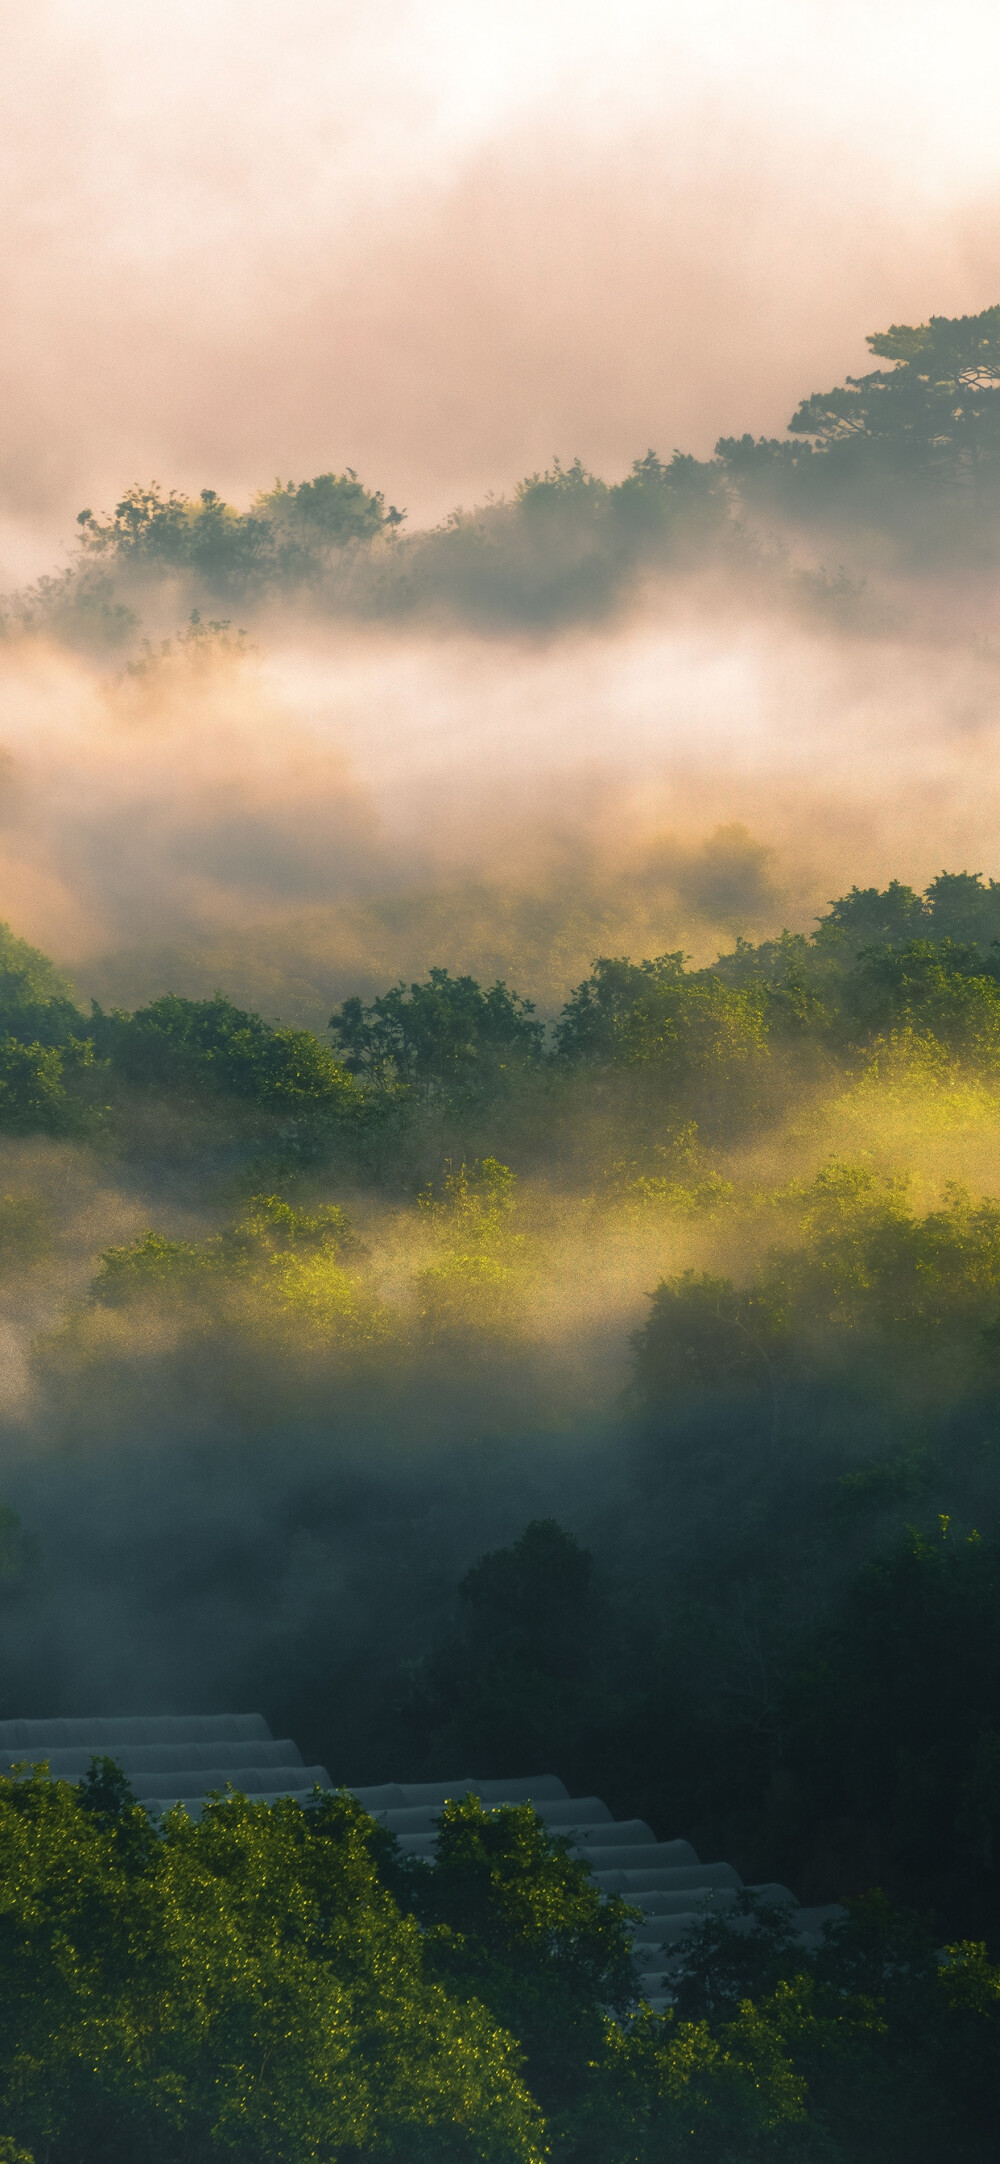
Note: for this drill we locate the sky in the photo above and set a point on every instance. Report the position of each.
(441, 243)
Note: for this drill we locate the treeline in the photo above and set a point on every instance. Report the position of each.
(908, 454)
(277, 1983)
(443, 1061)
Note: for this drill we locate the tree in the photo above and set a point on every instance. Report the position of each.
(867, 917)
(244, 1987)
(332, 510)
(931, 985)
(36, 999)
(963, 909)
(937, 404)
(936, 408)
(514, 1681)
(624, 1011)
(286, 538)
(659, 501)
(211, 1044)
(562, 495)
(445, 1033)
(517, 1922)
(32, 1096)
(921, 428)
(706, 1332)
(892, 1715)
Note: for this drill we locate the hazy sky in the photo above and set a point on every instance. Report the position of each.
(440, 241)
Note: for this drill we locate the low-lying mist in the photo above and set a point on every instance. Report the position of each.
(263, 1479)
(704, 1268)
(331, 810)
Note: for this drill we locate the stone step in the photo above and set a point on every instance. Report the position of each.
(101, 1733)
(650, 1869)
(184, 1756)
(563, 1815)
(398, 1796)
(139, 1760)
(250, 1781)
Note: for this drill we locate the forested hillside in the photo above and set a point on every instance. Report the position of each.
(691, 1295)
(275, 1981)
(732, 1233)
(584, 1359)
(893, 473)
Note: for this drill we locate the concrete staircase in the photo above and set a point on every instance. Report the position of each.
(183, 1758)
(665, 1879)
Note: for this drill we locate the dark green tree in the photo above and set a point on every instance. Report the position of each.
(517, 1922)
(211, 1044)
(935, 409)
(445, 1033)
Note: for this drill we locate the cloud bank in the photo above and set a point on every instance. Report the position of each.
(439, 244)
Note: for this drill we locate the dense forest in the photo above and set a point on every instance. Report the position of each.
(593, 1372)
(750, 1589)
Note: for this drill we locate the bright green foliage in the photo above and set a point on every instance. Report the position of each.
(869, 2052)
(27, 977)
(860, 1266)
(472, 1213)
(477, 1199)
(701, 2095)
(151, 1261)
(271, 1236)
(36, 1000)
(276, 1270)
(240, 1988)
(819, 1369)
(32, 1096)
(250, 1986)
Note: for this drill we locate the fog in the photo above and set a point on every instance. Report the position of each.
(441, 247)
(338, 808)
